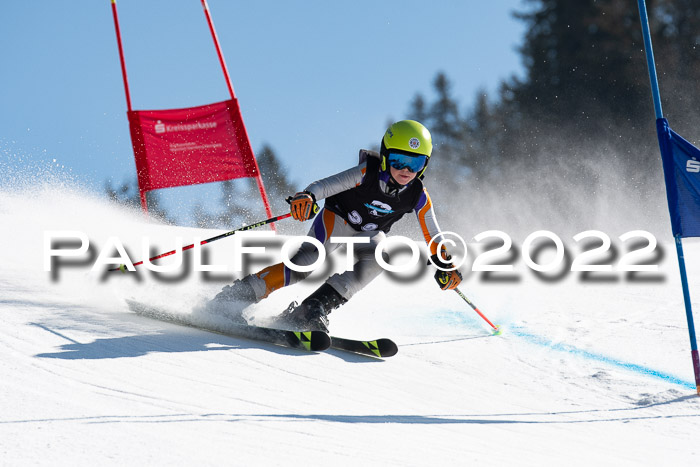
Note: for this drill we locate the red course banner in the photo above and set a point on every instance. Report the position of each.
(179, 147)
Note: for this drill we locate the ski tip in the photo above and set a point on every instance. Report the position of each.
(387, 348)
(381, 348)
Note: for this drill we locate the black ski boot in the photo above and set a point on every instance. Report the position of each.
(312, 313)
(232, 300)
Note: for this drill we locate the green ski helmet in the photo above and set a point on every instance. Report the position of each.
(407, 137)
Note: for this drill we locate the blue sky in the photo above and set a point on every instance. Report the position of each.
(317, 80)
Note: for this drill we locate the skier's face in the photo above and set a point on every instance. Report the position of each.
(403, 176)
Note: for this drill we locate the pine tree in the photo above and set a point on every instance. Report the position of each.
(274, 175)
(240, 201)
(127, 194)
(675, 28)
(453, 156)
(484, 137)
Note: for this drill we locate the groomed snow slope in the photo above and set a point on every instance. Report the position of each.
(585, 373)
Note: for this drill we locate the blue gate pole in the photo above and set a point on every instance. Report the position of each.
(689, 313)
(651, 65)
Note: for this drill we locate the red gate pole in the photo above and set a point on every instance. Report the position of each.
(121, 54)
(142, 194)
(261, 187)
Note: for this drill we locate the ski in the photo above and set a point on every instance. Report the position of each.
(381, 348)
(315, 341)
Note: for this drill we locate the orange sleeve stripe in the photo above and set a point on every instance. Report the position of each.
(328, 222)
(424, 227)
(363, 170)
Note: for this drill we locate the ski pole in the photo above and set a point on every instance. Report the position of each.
(122, 267)
(496, 329)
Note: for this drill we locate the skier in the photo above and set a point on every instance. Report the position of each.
(363, 201)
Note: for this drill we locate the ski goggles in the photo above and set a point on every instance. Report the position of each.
(404, 161)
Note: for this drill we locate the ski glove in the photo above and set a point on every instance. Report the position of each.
(447, 280)
(303, 205)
